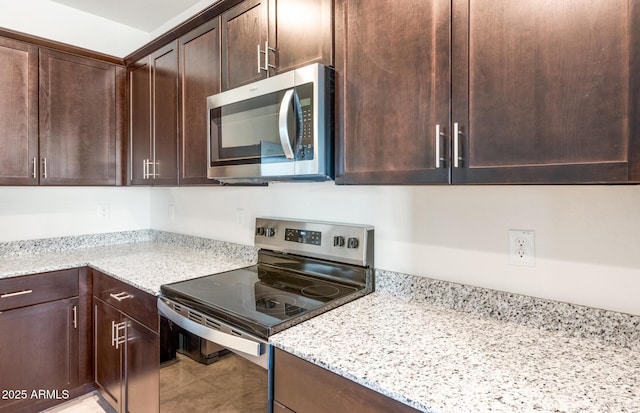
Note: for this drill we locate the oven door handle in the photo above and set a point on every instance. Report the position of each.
(226, 340)
(283, 123)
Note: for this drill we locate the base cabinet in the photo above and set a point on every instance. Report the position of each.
(39, 341)
(126, 349)
(302, 387)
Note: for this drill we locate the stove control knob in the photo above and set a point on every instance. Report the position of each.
(269, 232)
(338, 241)
(353, 243)
(260, 231)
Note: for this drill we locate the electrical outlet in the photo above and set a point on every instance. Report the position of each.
(522, 248)
(171, 213)
(103, 212)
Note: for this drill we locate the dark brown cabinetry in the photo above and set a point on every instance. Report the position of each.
(546, 95)
(153, 83)
(302, 387)
(18, 113)
(263, 37)
(392, 90)
(41, 322)
(61, 117)
(543, 93)
(79, 119)
(199, 78)
(126, 345)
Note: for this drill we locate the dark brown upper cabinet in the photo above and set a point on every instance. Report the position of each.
(80, 120)
(392, 91)
(199, 78)
(153, 145)
(18, 113)
(544, 93)
(264, 37)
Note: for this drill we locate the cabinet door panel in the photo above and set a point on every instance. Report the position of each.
(18, 113)
(140, 128)
(199, 78)
(39, 349)
(542, 90)
(164, 98)
(107, 359)
(78, 129)
(243, 28)
(392, 87)
(304, 33)
(142, 366)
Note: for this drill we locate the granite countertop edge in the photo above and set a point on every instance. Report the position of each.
(413, 341)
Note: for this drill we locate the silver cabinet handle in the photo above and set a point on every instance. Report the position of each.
(116, 338)
(145, 174)
(44, 168)
(259, 67)
(75, 316)
(15, 294)
(456, 145)
(266, 51)
(34, 174)
(121, 296)
(289, 97)
(439, 135)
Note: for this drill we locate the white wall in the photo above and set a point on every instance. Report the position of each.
(587, 238)
(43, 212)
(61, 23)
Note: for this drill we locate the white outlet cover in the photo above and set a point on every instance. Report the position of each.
(522, 249)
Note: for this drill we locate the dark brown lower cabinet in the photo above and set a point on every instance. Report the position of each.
(303, 387)
(40, 332)
(126, 349)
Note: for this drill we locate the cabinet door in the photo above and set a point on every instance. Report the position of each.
(164, 106)
(107, 359)
(142, 367)
(244, 28)
(304, 33)
(140, 139)
(78, 125)
(392, 90)
(199, 78)
(544, 91)
(18, 113)
(38, 350)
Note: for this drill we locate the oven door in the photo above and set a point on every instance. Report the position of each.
(246, 345)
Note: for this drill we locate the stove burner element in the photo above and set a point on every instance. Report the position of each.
(275, 305)
(320, 291)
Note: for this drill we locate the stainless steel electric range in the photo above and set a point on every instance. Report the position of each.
(303, 269)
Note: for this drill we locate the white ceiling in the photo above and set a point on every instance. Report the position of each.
(145, 15)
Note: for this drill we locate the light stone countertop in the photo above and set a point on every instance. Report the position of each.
(146, 264)
(440, 360)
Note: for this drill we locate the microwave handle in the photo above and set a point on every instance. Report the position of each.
(285, 109)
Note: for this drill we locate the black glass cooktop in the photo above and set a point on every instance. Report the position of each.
(256, 298)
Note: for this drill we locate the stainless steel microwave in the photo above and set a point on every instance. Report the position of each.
(275, 129)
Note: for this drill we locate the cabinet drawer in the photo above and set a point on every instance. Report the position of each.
(38, 288)
(135, 303)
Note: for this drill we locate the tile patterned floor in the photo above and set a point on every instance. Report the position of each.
(230, 385)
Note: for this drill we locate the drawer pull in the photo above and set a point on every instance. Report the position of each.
(23, 292)
(121, 296)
